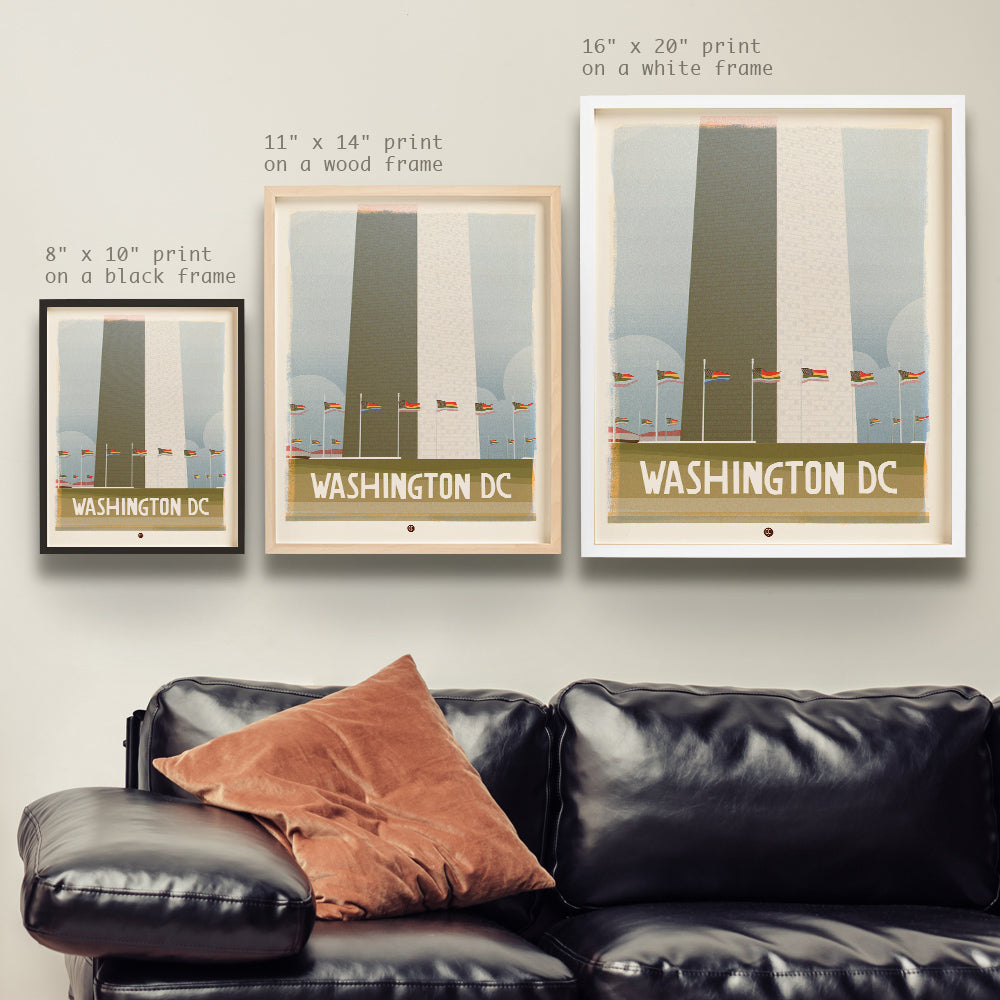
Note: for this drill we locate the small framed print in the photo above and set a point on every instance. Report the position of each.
(141, 437)
(773, 326)
(412, 370)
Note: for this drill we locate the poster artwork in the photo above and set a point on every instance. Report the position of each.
(412, 383)
(139, 425)
(778, 333)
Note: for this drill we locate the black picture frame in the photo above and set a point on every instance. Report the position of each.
(141, 374)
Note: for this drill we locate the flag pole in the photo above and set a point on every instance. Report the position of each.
(322, 436)
(105, 464)
(131, 466)
(802, 402)
(899, 393)
(513, 433)
(656, 406)
(360, 396)
(751, 402)
(704, 362)
(397, 424)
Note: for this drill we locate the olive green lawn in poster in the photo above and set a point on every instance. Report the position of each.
(696, 481)
(410, 489)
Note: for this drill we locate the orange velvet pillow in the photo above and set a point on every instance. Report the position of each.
(372, 794)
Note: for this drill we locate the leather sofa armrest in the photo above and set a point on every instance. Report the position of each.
(114, 871)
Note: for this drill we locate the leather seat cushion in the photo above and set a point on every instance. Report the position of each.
(725, 951)
(446, 954)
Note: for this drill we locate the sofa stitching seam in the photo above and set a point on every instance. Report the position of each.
(165, 894)
(763, 693)
(271, 983)
(313, 696)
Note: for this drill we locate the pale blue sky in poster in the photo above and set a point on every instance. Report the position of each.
(79, 347)
(502, 258)
(885, 187)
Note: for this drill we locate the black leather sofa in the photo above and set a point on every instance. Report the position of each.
(707, 844)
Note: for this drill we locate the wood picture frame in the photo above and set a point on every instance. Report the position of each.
(773, 326)
(141, 426)
(412, 370)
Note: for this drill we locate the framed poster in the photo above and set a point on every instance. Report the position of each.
(412, 369)
(773, 339)
(141, 438)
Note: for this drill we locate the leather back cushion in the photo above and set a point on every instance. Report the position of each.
(687, 793)
(505, 735)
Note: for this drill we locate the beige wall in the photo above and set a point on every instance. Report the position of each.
(144, 124)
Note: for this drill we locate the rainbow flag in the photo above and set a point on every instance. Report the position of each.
(445, 404)
(332, 441)
(714, 376)
(367, 407)
(667, 376)
(139, 451)
(862, 378)
(164, 451)
(530, 440)
(315, 441)
(296, 440)
(520, 407)
(763, 375)
(645, 422)
(494, 441)
(86, 451)
(621, 420)
(296, 408)
(814, 375)
(510, 440)
(874, 420)
(215, 451)
(620, 379)
(331, 406)
(895, 420)
(672, 420)
(190, 452)
(484, 407)
(112, 451)
(63, 454)
(404, 405)
(922, 419)
(906, 377)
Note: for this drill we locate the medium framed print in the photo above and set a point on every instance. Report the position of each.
(141, 434)
(412, 369)
(773, 326)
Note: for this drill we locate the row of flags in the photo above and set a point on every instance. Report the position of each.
(763, 375)
(142, 452)
(404, 406)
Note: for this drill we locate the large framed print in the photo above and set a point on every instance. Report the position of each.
(412, 369)
(141, 437)
(773, 326)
